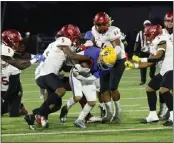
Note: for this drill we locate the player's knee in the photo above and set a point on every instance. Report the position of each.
(91, 103)
(115, 95)
(61, 91)
(106, 97)
(163, 90)
(149, 89)
(77, 98)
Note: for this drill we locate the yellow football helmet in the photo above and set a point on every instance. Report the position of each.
(107, 58)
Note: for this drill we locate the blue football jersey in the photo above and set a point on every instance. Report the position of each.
(94, 52)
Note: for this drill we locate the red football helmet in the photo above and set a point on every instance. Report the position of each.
(168, 21)
(70, 31)
(168, 16)
(152, 31)
(102, 21)
(12, 38)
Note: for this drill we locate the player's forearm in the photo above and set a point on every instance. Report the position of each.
(19, 65)
(144, 65)
(25, 56)
(154, 58)
(79, 57)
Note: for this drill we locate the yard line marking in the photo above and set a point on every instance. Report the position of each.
(129, 98)
(77, 113)
(124, 89)
(88, 131)
(144, 107)
(133, 77)
(120, 82)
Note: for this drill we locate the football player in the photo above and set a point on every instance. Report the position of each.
(11, 43)
(49, 75)
(105, 34)
(168, 30)
(83, 47)
(104, 59)
(162, 52)
(11, 91)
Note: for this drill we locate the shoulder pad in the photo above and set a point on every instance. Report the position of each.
(114, 33)
(7, 51)
(63, 41)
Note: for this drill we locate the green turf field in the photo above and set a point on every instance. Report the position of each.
(134, 108)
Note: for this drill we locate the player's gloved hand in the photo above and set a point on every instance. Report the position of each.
(136, 58)
(39, 57)
(88, 43)
(129, 64)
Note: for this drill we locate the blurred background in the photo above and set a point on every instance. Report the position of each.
(39, 21)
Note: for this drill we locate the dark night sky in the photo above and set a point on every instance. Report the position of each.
(48, 17)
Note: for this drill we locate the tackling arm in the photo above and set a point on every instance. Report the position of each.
(16, 63)
(74, 56)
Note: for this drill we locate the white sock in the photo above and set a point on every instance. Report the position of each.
(102, 105)
(171, 115)
(70, 103)
(109, 104)
(153, 113)
(85, 112)
(117, 108)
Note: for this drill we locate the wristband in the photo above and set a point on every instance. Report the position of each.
(32, 56)
(136, 66)
(144, 60)
(33, 61)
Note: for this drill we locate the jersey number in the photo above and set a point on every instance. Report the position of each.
(4, 80)
(115, 32)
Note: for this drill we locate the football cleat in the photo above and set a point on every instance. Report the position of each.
(107, 118)
(115, 120)
(168, 123)
(162, 111)
(38, 119)
(30, 121)
(80, 123)
(163, 114)
(32, 127)
(44, 122)
(144, 121)
(108, 115)
(150, 119)
(63, 114)
(94, 120)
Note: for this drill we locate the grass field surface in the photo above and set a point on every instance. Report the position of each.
(134, 108)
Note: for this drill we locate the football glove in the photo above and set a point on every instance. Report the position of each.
(129, 64)
(39, 57)
(136, 58)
